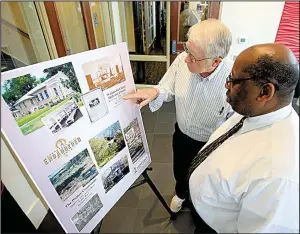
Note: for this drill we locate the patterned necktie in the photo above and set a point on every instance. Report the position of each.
(202, 155)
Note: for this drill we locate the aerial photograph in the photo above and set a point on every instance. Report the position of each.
(76, 173)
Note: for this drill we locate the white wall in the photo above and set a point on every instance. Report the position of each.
(258, 21)
(15, 182)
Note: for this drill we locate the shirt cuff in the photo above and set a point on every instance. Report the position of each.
(157, 102)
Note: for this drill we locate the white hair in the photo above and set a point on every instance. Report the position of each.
(211, 36)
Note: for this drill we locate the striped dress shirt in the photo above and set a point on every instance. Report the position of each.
(200, 102)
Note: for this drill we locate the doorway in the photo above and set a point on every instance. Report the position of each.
(185, 14)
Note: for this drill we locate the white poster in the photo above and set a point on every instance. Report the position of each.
(81, 143)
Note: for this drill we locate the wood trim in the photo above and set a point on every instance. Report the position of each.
(88, 25)
(168, 41)
(42, 15)
(55, 28)
(174, 16)
(175, 13)
(214, 10)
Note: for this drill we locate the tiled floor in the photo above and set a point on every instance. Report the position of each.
(139, 210)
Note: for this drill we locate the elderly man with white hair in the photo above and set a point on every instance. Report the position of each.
(196, 81)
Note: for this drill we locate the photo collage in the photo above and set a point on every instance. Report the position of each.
(51, 101)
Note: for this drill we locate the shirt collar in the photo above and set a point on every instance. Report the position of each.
(256, 122)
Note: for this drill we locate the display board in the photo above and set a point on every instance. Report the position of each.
(82, 145)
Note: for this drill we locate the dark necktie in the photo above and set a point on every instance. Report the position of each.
(202, 155)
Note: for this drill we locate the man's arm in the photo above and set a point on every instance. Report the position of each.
(163, 92)
(166, 86)
(270, 207)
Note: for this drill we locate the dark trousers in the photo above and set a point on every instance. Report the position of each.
(184, 150)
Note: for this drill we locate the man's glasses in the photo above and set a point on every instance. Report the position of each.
(229, 80)
(235, 81)
(193, 59)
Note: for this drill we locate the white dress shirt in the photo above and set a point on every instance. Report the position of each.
(200, 102)
(250, 183)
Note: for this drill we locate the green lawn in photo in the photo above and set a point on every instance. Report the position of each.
(25, 119)
(32, 122)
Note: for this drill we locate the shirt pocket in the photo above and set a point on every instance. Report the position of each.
(215, 111)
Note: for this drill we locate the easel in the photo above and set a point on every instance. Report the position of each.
(148, 180)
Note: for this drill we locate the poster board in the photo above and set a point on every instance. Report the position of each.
(82, 145)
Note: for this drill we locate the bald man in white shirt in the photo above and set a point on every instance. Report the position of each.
(246, 178)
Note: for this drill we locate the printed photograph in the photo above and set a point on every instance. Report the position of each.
(134, 140)
(48, 98)
(76, 173)
(104, 73)
(95, 104)
(115, 173)
(87, 212)
(107, 144)
(64, 116)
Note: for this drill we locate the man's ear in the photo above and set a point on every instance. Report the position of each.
(217, 61)
(267, 92)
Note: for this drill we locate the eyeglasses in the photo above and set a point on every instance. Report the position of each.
(235, 81)
(193, 59)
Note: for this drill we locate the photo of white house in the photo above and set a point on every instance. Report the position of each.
(48, 97)
(47, 93)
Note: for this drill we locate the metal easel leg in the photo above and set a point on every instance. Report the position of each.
(157, 193)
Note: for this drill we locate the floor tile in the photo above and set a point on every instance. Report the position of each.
(164, 128)
(161, 150)
(162, 177)
(168, 107)
(149, 120)
(148, 199)
(130, 198)
(150, 139)
(119, 220)
(166, 117)
(145, 109)
(158, 221)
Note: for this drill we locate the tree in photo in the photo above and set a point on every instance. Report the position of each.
(69, 71)
(119, 140)
(17, 87)
(103, 151)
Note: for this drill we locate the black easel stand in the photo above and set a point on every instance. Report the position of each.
(154, 189)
